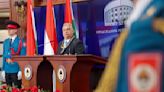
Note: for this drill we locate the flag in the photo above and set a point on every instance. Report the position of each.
(50, 37)
(40, 22)
(31, 32)
(69, 18)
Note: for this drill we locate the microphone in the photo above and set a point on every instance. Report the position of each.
(40, 45)
(46, 49)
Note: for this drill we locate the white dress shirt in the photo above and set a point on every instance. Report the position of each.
(66, 42)
(13, 38)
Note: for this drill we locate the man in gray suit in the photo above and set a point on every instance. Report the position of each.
(70, 44)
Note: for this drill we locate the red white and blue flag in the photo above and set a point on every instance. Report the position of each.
(50, 36)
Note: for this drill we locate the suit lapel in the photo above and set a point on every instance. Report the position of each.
(63, 49)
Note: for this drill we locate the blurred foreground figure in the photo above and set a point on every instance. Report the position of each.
(146, 34)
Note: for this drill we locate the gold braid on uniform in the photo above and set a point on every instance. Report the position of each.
(158, 25)
(109, 77)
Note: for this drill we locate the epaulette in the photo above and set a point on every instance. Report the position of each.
(158, 25)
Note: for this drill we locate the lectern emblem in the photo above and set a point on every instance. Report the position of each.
(28, 72)
(61, 73)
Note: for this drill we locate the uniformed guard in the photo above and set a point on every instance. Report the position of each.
(13, 45)
(146, 34)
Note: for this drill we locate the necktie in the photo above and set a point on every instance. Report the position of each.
(10, 42)
(65, 44)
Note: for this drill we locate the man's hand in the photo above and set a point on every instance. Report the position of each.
(3, 75)
(65, 54)
(19, 75)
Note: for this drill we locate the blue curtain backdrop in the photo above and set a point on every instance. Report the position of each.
(89, 17)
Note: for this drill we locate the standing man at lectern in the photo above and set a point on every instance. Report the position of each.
(70, 45)
(13, 45)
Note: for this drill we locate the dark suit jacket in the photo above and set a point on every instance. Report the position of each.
(74, 47)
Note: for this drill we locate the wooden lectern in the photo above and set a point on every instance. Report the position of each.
(72, 72)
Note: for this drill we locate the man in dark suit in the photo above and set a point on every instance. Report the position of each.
(70, 44)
